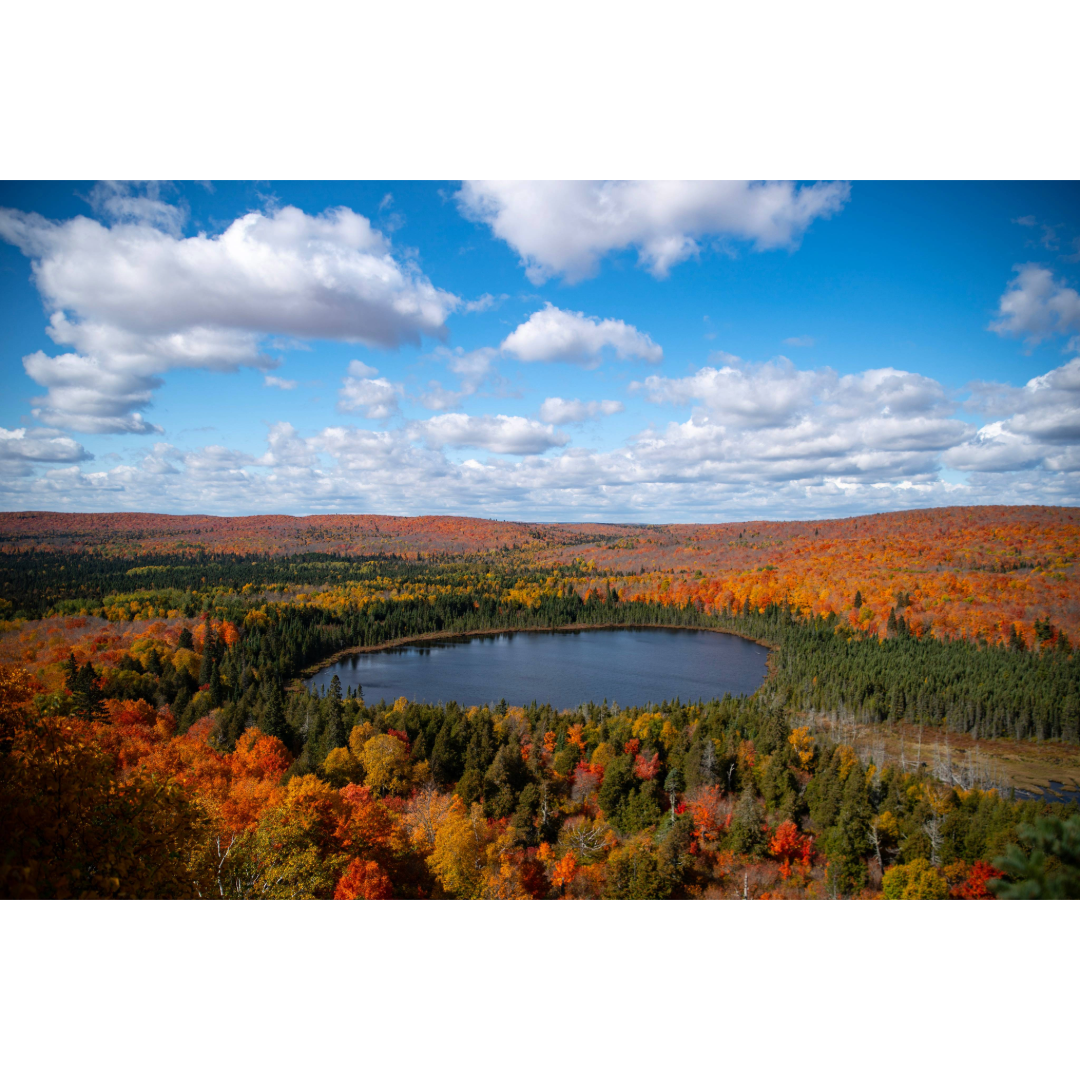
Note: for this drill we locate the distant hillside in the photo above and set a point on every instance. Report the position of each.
(955, 571)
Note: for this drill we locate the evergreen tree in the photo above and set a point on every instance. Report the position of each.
(273, 720)
(87, 696)
(207, 665)
(333, 708)
(1050, 870)
(71, 672)
(216, 690)
(747, 826)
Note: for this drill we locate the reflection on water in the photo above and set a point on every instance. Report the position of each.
(1055, 793)
(563, 668)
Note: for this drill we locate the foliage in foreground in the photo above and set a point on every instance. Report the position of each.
(367, 802)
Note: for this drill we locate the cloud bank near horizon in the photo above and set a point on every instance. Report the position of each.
(130, 298)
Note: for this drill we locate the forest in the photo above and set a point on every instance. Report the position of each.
(156, 739)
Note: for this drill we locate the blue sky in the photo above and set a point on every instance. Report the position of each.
(639, 351)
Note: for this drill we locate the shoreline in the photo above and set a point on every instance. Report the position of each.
(297, 683)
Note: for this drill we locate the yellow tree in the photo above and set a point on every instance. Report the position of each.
(458, 859)
(386, 765)
(341, 768)
(296, 850)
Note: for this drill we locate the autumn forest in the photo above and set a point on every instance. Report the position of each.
(157, 739)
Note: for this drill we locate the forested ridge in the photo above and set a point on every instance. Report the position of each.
(163, 694)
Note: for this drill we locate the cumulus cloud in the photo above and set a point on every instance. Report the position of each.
(1035, 307)
(566, 227)
(499, 434)
(1040, 424)
(281, 384)
(572, 336)
(776, 422)
(871, 441)
(21, 450)
(556, 410)
(135, 298)
(87, 394)
(377, 399)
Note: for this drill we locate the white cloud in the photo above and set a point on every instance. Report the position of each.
(139, 204)
(377, 399)
(20, 450)
(281, 384)
(1040, 424)
(774, 422)
(754, 440)
(566, 227)
(993, 448)
(85, 394)
(1035, 306)
(556, 410)
(472, 368)
(499, 434)
(573, 336)
(135, 298)
(804, 342)
(483, 303)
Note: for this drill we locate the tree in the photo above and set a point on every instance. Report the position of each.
(88, 699)
(333, 736)
(209, 653)
(273, 720)
(671, 786)
(789, 847)
(363, 880)
(748, 826)
(295, 852)
(341, 768)
(74, 828)
(916, 880)
(633, 872)
(1050, 870)
(386, 765)
(458, 856)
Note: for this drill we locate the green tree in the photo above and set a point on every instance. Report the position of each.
(747, 832)
(1050, 870)
(88, 699)
(633, 872)
(273, 719)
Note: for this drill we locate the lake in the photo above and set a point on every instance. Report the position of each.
(563, 668)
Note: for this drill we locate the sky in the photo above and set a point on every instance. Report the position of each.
(547, 351)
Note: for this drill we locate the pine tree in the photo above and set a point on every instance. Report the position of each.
(216, 691)
(273, 721)
(747, 832)
(88, 698)
(208, 656)
(333, 708)
(71, 672)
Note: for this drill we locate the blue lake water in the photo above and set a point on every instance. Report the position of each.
(563, 668)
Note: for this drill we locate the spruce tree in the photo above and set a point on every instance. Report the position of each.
(216, 691)
(88, 699)
(273, 720)
(747, 832)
